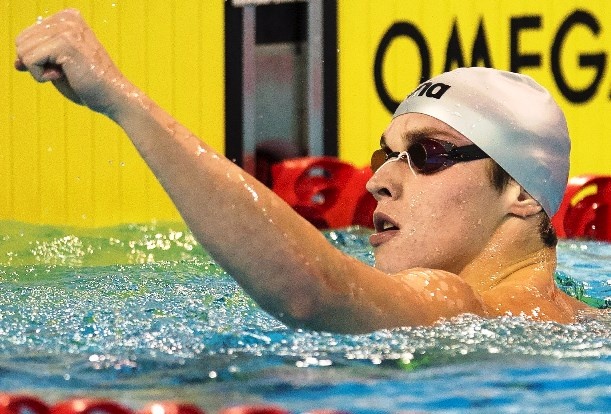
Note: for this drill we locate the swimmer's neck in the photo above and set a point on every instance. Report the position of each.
(511, 254)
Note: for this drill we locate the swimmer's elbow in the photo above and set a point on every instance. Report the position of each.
(300, 311)
(303, 312)
(296, 311)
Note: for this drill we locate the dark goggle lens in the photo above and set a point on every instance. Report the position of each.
(428, 155)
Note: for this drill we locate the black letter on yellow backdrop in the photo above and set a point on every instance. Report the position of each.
(454, 53)
(480, 55)
(480, 50)
(597, 60)
(519, 60)
(410, 31)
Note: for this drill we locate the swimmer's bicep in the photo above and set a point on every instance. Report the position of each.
(410, 298)
(442, 294)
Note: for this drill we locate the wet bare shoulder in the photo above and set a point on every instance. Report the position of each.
(447, 293)
(544, 303)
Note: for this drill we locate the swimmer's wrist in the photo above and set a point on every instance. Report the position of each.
(128, 101)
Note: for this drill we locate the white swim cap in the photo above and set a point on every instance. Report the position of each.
(510, 117)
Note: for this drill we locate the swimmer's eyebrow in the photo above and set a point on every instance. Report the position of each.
(421, 133)
(416, 135)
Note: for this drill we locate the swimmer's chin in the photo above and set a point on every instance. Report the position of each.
(385, 267)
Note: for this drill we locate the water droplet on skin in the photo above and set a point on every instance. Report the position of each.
(146, 104)
(39, 20)
(79, 35)
(171, 128)
(200, 150)
(252, 191)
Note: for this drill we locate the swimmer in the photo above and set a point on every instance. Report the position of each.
(471, 167)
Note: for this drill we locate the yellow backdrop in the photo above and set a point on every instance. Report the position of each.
(61, 164)
(564, 45)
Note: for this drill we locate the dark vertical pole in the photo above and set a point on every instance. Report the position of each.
(330, 101)
(233, 83)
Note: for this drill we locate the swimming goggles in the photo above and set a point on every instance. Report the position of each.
(429, 155)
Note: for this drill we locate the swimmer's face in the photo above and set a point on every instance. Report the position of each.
(441, 220)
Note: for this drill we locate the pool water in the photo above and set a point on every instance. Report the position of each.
(142, 313)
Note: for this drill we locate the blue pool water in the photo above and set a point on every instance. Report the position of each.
(141, 313)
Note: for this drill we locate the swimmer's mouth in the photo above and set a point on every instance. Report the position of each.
(383, 223)
(385, 228)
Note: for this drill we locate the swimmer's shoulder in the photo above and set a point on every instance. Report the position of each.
(447, 293)
(542, 301)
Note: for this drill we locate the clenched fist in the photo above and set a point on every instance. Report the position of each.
(64, 50)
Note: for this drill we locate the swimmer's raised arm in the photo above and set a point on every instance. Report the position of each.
(281, 260)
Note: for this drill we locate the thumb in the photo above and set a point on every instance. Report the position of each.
(20, 66)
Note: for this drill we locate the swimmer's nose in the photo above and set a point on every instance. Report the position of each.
(384, 184)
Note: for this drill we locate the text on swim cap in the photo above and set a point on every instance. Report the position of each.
(431, 90)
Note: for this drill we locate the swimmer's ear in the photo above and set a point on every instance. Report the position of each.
(521, 203)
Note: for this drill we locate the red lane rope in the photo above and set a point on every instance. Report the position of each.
(28, 404)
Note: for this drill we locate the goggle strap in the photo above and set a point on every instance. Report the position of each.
(467, 153)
